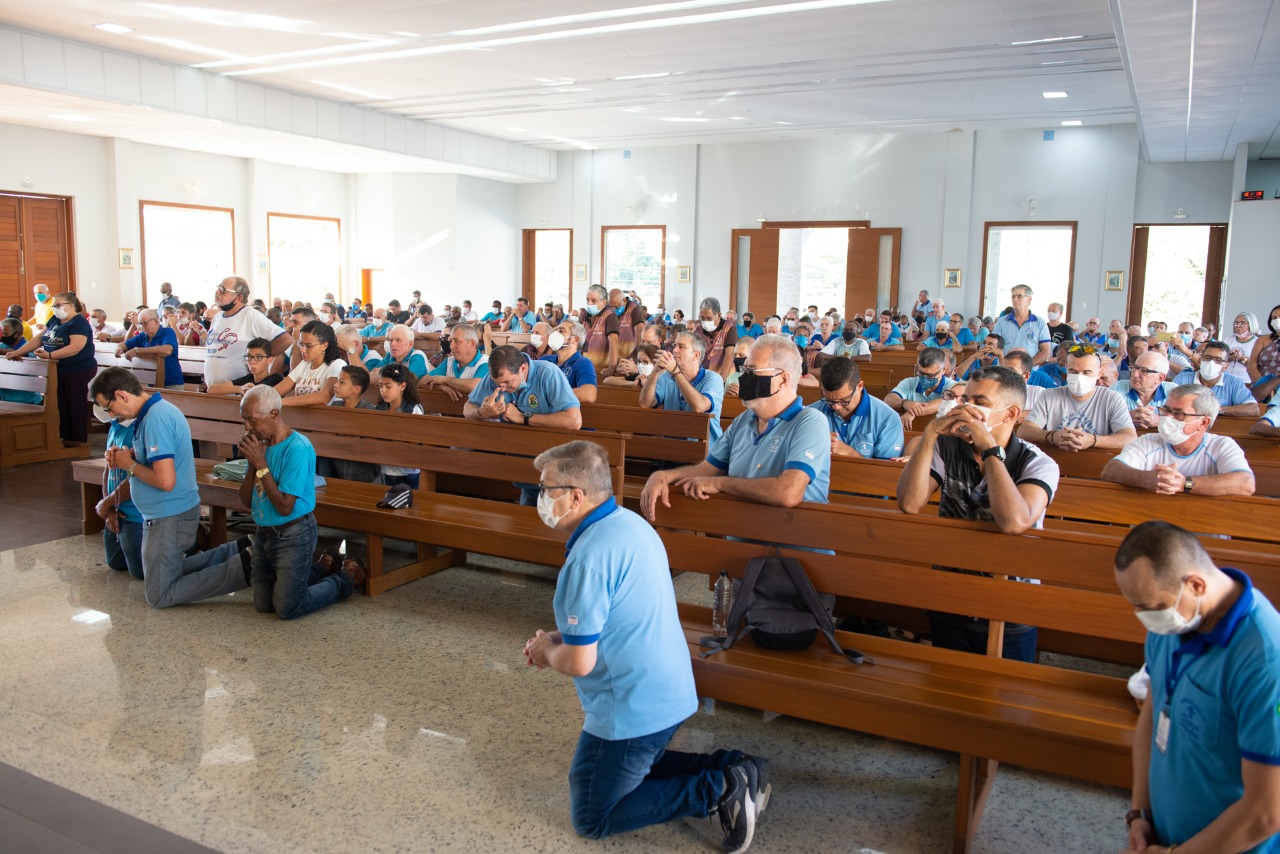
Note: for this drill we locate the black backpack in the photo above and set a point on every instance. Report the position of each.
(777, 603)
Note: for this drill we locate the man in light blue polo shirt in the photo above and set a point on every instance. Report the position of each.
(1269, 423)
(162, 483)
(777, 452)
(1023, 330)
(1230, 391)
(680, 382)
(921, 394)
(1146, 389)
(860, 425)
(521, 320)
(378, 326)
(1207, 744)
(400, 351)
(618, 635)
(459, 374)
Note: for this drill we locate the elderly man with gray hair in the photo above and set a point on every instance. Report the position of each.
(618, 635)
(466, 365)
(680, 382)
(1183, 456)
(777, 452)
(158, 342)
(565, 345)
(280, 490)
(233, 327)
(720, 336)
(602, 328)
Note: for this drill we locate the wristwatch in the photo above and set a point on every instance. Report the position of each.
(262, 472)
(1188, 485)
(1133, 815)
(997, 452)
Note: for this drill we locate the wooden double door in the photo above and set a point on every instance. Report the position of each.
(35, 247)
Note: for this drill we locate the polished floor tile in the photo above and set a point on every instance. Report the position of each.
(408, 723)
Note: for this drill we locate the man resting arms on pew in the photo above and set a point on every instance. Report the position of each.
(680, 382)
(984, 473)
(860, 425)
(462, 371)
(1080, 415)
(1269, 423)
(777, 452)
(1183, 456)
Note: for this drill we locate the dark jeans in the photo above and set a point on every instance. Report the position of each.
(281, 571)
(73, 403)
(124, 550)
(969, 634)
(411, 479)
(619, 786)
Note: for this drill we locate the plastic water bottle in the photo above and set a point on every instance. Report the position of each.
(721, 604)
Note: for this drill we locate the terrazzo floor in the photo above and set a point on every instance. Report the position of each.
(408, 723)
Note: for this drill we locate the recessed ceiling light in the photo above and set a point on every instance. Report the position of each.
(70, 117)
(1072, 123)
(118, 29)
(737, 118)
(643, 76)
(1053, 94)
(1048, 41)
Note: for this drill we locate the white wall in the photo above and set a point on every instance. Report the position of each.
(1263, 175)
(487, 251)
(1253, 257)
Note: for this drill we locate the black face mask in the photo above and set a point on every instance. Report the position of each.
(9, 340)
(753, 386)
(849, 335)
(228, 306)
(739, 361)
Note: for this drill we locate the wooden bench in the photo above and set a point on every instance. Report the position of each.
(148, 370)
(486, 454)
(29, 432)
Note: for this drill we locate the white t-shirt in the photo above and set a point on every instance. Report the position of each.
(229, 338)
(1102, 414)
(436, 325)
(858, 347)
(1216, 455)
(307, 379)
(470, 316)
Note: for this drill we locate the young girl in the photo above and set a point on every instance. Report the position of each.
(312, 382)
(643, 357)
(190, 332)
(398, 387)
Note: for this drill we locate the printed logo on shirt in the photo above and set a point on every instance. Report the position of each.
(154, 449)
(225, 339)
(573, 620)
(775, 444)
(809, 454)
(533, 401)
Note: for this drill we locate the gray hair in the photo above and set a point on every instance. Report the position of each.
(599, 291)
(576, 329)
(579, 463)
(262, 398)
(1252, 320)
(240, 286)
(467, 331)
(709, 303)
(147, 314)
(1206, 403)
(1161, 361)
(695, 341)
(346, 329)
(931, 356)
(782, 354)
(1025, 288)
(400, 331)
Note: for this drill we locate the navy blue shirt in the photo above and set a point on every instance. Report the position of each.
(58, 335)
(164, 335)
(578, 369)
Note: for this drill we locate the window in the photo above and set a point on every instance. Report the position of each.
(548, 256)
(811, 268)
(1041, 256)
(305, 257)
(635, 258)
(189, 246)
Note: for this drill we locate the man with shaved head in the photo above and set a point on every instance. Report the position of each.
(631, 317)
(1146, 389)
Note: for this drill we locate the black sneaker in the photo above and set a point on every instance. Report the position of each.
(345, 585)
(736, 808)
(244, 546)
(763, 782)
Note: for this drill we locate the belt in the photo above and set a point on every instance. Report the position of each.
(280, 529)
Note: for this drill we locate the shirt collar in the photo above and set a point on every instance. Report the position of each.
(146, 407)
(1195, 642)
(702, 372)
(607, 507)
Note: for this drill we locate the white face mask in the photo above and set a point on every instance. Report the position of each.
(546, 510)
(1210, 370)
(1168, 621)
(1171, 430)
(1275, 324)
(62, 312)
(1080, 384)
(709, 325)
(944, 407)
(986, 415)
(325, 317)
(536, 340)
(555, 340)
(1054, 315)
(644, 369)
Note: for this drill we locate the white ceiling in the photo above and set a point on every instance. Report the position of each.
(574, 73)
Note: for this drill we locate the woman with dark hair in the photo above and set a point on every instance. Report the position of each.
(68, 342)
(312, 382)
(1264, 362)
(644, 358)
(398, 388)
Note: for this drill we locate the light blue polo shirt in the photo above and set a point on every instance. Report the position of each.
(932, 341)
(754, 332)
(1130, 396)
(1029, 336)
(796, 439)
(873, 334)
(1230, 390)
(966, 337)
(373, 330)
(1051, 374)
(450, 367)
(909, 389)
(873, 430)
(161, 433)
(293, 465)
(708, 383)
(545, 392)
(1221, 691)
(121, 436)
(977, 365)
(1272, 415)
(615, 591)
(416, 362)
(523, 323)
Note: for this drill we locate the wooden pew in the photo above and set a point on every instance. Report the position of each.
(29, 432)
(148, 370)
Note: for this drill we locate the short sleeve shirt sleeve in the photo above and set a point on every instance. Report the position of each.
(1134, 454)
(559, 394)
(1231, 458)
(260, 326)
(1254, 694)
(581, 603)
(584, 372)
(1118, 416)
(1272, 415)
(809, 450)
(162, 435)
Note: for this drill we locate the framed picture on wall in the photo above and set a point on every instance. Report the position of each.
(264, 263)
(579, 272)
(126, 259)
(1114, 281)
(951, 277)
(684, 275)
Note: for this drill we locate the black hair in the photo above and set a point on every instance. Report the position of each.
(1214, 344)
(112, 380)
(325, 333)
(401, 374)
(359, 376)
(838, 371)
(425, 309)
(505, 358)
(1171, 550)
(1010, 381)
(999, 338)
(259, 344)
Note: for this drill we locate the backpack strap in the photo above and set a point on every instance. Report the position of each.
(802, 583)
(736, 626)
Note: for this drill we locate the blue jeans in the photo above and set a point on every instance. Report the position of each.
(619, 786)
(969, 634)
(413, 480)
(170, 577)
(281, 572)
(124, 550)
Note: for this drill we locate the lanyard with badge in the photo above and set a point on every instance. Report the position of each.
(1171, 679)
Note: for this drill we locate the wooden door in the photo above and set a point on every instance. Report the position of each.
(35, 247)
(762, 272)
(862, 269)
(11, 289)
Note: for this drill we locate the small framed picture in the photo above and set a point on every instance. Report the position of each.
(126, 259)
(1114, 280)
(684, 275)
(264, 263)
(951, 277)
(579, 272)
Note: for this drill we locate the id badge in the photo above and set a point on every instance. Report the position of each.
(1162, 731)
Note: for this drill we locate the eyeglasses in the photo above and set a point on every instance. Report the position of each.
(1177, 414)
(936, 376)
(1081, 350)
(543, 487)
(1239, 323)
(252, 359)
(1217, 360)
(844, 401)
(302, 345)
(1143, 372)
(222, 290)
(750, 371)
(951, 395)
